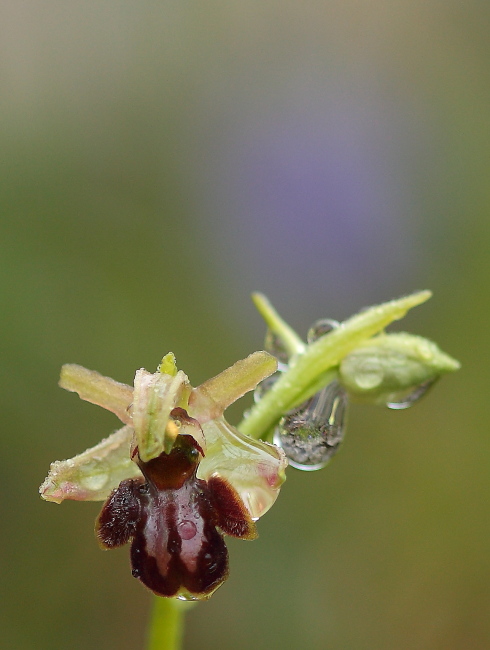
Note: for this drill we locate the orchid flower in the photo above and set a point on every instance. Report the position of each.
(177, 476)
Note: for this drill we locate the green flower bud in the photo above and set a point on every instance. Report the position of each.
(393, 369)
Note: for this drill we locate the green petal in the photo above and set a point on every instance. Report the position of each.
(211, 398)
(93, 387)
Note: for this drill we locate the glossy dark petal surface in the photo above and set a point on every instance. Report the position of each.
(176, 548)
(175, 522)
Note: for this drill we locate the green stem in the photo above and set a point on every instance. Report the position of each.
(167, 624)
(305, 375)
(292, 342)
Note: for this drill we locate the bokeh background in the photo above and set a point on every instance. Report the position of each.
(159, 161)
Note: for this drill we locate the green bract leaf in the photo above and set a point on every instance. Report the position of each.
(291, 341)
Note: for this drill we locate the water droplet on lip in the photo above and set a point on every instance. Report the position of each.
(186, 597)
(320, 328)
(311, 434)
(187, 529)
(399, 401)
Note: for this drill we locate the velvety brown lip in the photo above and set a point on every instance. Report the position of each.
(175, 523)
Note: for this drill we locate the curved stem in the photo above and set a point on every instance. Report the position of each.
(167, 624)
(304, 377)
(293, 343)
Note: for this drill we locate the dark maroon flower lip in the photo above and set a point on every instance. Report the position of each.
(175, 522)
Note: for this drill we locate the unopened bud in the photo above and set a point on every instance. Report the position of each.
(393, 369)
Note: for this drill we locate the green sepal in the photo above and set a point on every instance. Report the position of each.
(93, 474)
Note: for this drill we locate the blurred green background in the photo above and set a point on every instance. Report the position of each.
(159, 161)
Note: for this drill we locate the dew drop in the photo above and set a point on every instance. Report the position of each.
(399, 401)
(210, 562)
(311, 434)
(320, 328)
(187, 597)
(187, 529)
(369, 375)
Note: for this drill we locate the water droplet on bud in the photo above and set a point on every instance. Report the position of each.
(404, 400)
(311, 434)
(369, 374)
(320, 328)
